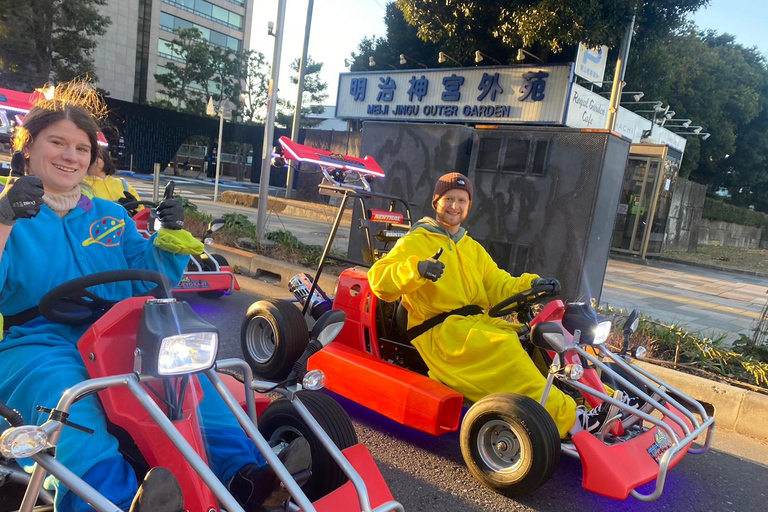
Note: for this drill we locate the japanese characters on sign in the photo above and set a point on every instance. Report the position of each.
(515, 94)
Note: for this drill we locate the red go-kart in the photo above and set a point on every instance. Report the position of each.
(144, 355)
(207, 274)
(509, 442)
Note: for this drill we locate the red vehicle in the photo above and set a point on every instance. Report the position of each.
(145, 369)
(207, 274)
(509, 442)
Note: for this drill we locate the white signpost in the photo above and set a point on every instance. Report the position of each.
(590, 63)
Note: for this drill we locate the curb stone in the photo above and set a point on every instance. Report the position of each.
(736, 409)
(287, 206)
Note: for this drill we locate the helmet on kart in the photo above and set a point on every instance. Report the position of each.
(451, 181)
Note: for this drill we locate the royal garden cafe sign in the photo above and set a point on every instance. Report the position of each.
(516, 94)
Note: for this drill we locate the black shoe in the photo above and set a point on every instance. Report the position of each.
(637, 403)
(257, 488)
(159, 492)
(595, 420)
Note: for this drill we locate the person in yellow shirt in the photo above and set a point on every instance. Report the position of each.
(104, 184)
(468, 351)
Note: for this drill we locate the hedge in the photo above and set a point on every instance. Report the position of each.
(720, 211)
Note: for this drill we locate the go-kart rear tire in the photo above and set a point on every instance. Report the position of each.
(510, 443)
(281, 422)
(222, 261)
(273, 336)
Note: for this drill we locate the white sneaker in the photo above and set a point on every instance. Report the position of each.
(595, 420)
(635, 402)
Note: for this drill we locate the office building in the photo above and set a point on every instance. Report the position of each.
(136, 45)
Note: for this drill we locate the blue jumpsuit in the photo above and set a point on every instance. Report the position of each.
(39, 360)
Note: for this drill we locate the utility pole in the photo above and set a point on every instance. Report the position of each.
(210, 110)
(269, 126)
(618, 77)
(297, 110)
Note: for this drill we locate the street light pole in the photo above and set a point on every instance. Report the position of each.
(218, 156)
(297, 110)
(269, 126)
(618, 78)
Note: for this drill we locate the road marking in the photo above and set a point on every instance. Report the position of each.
(683, 300)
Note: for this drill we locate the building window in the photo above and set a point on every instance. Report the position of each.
(513, 156)
(209, 11)
(169, 23)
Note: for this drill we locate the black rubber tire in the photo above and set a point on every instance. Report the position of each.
(528, 435)
(273, 336)
(222, 261)
(281, 422)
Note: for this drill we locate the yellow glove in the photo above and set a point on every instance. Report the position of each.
(178, 241)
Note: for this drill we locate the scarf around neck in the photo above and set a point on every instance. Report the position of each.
(62, 203)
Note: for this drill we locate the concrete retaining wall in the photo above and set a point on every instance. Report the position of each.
(727, 234)
(683, 224)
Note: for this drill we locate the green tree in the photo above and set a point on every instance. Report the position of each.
(255, 86)
(182, 83)
(719, 85)
(401, 38)
(463, 26)
(47, 40)
(312, 98)
(222, 76)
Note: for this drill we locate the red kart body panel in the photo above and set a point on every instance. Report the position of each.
(107, 348)
(344, 499)
(221, 281)
(638, 465)
(354, 368)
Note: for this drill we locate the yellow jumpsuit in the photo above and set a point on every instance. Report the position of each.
(475, 355)
(110, 188)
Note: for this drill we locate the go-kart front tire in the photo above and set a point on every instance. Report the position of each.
(510, 443)
(273, 336)
(280, 422)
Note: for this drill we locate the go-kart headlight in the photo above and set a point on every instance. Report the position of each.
(313, 380)
(22, 442)
(187, 353)
(173, 340)
(574, 371)
(602, 331)
(639, 352)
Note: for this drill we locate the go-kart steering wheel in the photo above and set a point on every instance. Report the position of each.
(516, 302)
(71, 303)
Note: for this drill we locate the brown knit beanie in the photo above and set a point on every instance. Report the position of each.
(450, 181)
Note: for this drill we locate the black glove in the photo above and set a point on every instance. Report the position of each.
(431, 268)
(171, 214)
(127, 198)
(543, 281)
(21, 199)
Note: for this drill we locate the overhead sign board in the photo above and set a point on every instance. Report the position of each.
(587, 109)
(590, 63)
(510, 94)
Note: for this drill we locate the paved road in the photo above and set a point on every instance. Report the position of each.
(708, 301)
(428, 474)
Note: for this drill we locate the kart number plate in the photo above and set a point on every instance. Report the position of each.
(190, 284)
(662, 443)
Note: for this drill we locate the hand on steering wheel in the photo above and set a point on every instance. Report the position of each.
(515, 303)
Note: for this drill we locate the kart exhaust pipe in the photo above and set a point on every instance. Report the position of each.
(300, 285)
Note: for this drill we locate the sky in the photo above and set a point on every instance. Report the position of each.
(339, 25)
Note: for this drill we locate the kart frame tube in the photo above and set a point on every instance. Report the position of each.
(133, 382)
(311, 422)
(346, 194)
(678, 444)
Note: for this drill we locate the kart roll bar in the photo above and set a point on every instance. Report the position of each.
(363, 196)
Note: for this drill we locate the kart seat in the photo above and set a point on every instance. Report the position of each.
(401, 318)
